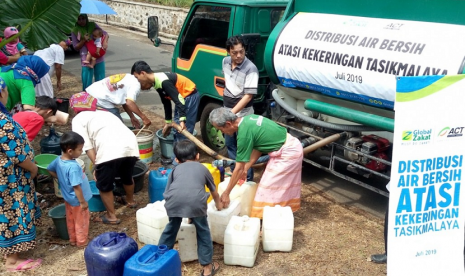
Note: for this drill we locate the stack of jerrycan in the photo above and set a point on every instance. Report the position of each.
(241, 241)
(218, 220)
(278, 228)
(151, 221)
(245, 193)
(153, 260)
(107, 253)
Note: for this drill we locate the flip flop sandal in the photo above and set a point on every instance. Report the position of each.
(134, 205)
(19, 268)
(104, 220)
(214, 269)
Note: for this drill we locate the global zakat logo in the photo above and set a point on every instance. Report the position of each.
(417, 135)
(450, 132)
(407, 135)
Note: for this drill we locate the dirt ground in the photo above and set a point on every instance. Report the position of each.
(329, 238)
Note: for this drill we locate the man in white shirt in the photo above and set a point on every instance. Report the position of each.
(114, 151)
(54, 56)
(119, 89)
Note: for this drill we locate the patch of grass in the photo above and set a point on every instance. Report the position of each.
(173, 3)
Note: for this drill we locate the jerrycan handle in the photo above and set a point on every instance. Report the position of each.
(115, 239)
(153, 257)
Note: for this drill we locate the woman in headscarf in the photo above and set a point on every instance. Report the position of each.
(80, 35)
(21, 78)
(19, 209)
(13, 47)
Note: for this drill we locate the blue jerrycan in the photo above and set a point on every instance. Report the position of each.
(106, 254)
(152, 260)
(157, 183)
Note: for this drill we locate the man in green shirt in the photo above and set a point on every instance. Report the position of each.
(281, 182)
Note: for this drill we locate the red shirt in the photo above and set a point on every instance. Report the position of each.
(3, 58)
(31, 121)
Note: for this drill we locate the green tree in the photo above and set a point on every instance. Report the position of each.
(41, 22)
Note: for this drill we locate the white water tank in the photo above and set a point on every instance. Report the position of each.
(278, 228)
(241, 241)
(218, 220)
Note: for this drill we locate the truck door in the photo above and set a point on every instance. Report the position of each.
(201, 47)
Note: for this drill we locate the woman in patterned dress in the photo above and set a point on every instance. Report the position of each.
(19, 210)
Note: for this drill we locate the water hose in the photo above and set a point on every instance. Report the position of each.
(317, 122)
(199, 144)
(352, 115)
(211, 152)
(323, 142)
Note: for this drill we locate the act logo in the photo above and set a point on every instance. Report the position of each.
(444, 131)
(450, 132)
(407, 135)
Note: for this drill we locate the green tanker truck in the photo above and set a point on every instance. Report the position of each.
(326, 67)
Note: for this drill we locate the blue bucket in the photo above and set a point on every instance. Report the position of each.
(95, 203)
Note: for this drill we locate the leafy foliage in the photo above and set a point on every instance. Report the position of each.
(41, 22)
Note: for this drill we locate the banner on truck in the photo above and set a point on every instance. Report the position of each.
(357, 58)
(426, 203)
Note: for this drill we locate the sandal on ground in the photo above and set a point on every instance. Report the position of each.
(21, 266)
(215, 268)
(121, 200)
(133, 205)
(105, 220)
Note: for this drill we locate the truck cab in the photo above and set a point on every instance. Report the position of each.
(200, 50)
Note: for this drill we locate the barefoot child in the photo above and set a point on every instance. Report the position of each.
(74, 187)
(186, 198)
(94, 47)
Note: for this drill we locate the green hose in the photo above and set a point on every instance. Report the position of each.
(352, 115)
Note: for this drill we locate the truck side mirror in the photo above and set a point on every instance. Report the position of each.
(250, 41)
(152, 30)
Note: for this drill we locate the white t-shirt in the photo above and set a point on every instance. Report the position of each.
(51, 55)
(106, 134)
(114, 90)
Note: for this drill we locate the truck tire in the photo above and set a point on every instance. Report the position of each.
(211, 137)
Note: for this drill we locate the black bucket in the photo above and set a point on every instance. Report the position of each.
(138, 175)
(63, 104)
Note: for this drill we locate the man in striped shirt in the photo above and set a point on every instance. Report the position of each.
(241, 82)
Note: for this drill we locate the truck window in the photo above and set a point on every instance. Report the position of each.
(276, 15)
(207, 25)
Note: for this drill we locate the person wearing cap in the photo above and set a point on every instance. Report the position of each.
(171, 87)
(14, 47)
(54, 56)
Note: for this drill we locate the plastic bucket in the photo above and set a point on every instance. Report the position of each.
(166, 144)
(43, 160)
(138, 175)
(127, 120)
(57, 185)
(95, 203)
(88, 166)
(58, 215)
(145, 141)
